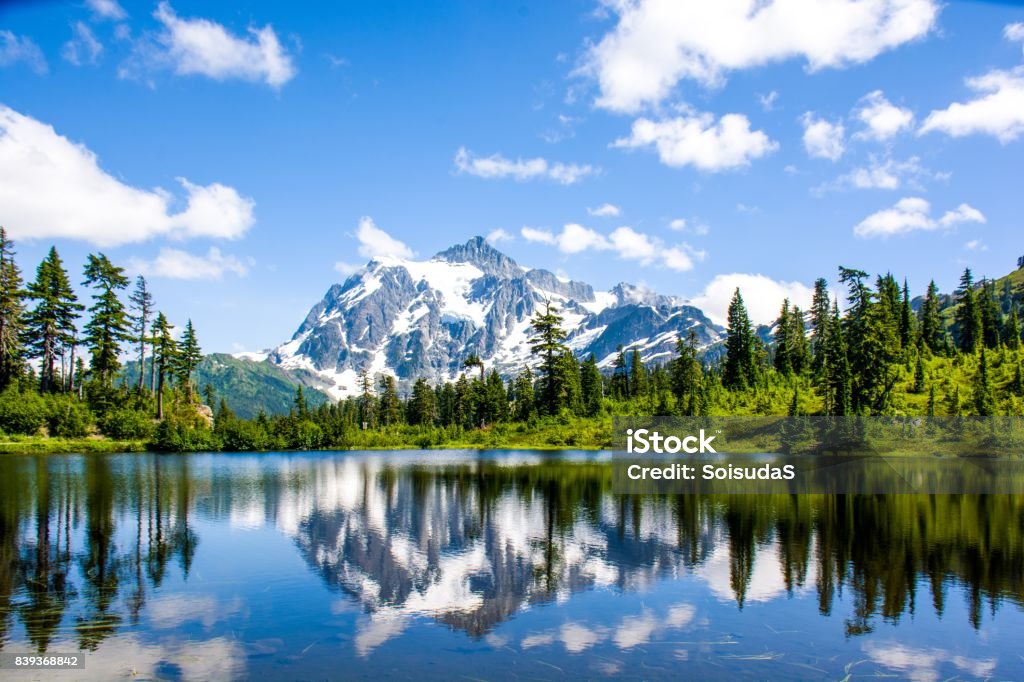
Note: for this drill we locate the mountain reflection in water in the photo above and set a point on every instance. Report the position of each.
(138, 557)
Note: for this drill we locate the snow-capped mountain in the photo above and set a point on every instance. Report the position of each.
(424, 318)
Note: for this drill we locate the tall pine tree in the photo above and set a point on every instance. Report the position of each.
(546, 343)
(740, 367)
(142, 305)
(967, 316)
(12, 309)
(109, 324)
(50, 323)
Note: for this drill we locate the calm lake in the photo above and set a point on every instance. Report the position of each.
(493, 565)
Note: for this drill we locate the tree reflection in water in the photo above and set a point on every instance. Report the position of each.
(471, 541)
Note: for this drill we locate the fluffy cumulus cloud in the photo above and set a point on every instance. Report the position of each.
(177, 264)
(762, 295)
(626, 242)
(203, 47)
(83, 48)
(913, 214)
(657, 43)
(37, 164)
(605, 211)
(15, 49)
(497, 166)
(376, 243)
(882, 119)
(1014, 32)
(997, 109)
(683, 225)
(107, 9)
(823, 139)
(697, 139)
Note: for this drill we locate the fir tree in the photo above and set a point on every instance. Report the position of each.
(637, 374)
(919, 375)
(740, 360)
(591, 385)
(991, 317)
(367, 403)
(141, 302)
(109, 324)
(932, 333)
(836, 380)
(820, 317)
(524, 396)
(782, 346)
(1011, 330)
(188, 358)
(571, 396)
(12, 310)
(799, 352)
(685, 372)
(620, 375)
(906, 319)
(967, 316)
(165, 351)
(390, 405)
(546, 343)
(423, 405)
(984, 404)
(50, 324)
(931, 401)
(495, 402)
(1018, 381)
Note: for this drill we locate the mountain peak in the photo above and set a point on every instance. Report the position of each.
(479, 252)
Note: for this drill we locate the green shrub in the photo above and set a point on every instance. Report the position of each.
(173, 436)
(22, 413)
(68, 417)
(126, 424)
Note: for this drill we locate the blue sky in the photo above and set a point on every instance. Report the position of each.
(246, 158)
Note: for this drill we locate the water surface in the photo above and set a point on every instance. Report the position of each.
(495, 565)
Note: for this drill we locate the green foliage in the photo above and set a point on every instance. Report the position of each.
(126, 424)
(68, 417)
(22, 412)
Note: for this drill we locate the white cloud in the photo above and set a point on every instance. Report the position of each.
(823, 139)
(883, 120)
(605, 211)
(677, 224)
(658, 43)
(107, 9)
(206, 48)
(696, 139)
(37, 165)
(1014, 32)
(682, 225)
(885, 174)
(177, 264)
(497, 166)
(347, 269)
(762, 295)
(964, 213)
(626, 242)
(499, 235)
(768, 101)
(375, 242)
(998, 110)
(911, 214)
(15, 49)
(83, 48)
(975, 245)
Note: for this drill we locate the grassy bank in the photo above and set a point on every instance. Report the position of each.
(41, 445)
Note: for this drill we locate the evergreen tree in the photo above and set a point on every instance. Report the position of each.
(12, 310)
(740, 358)
(919, 375)
(141, 302)
(953, 403)
(367, 403)
(820, 317)
(1018, 381)
(782, 348)
(984, 404)
(109, 324)
(932, 333)
(546, 343)
(837, 379)
(165, 352)
(931, 401)
(591, 385)
(799, 350)
(524, 396)
(390, 405)
(210, 398)
(473, 360)
(301, 404)
(495, 402)
(637, 374)
(685, 373)
(1011, 330)
(906, 319)
(423, 405)
(620, 375)
(991, 317)
(967, 316)
(188, 358)
(50, 324)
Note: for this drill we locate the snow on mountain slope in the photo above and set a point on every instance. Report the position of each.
(424, 318)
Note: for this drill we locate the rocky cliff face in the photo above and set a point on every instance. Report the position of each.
(424, 318)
